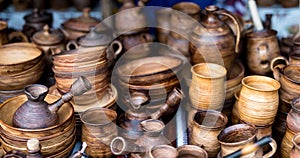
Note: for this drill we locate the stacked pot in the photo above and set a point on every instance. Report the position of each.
(153, 76)
(21, 64)
(56, 141)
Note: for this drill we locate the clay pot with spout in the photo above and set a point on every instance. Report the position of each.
(152, 136)
(213, 41)
(36, 113)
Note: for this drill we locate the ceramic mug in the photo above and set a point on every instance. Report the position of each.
(205, 128)
(237, 136)
(207, 89)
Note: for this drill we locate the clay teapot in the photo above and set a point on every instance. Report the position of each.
(35, 113)
(36, 20)
(80, 26)
(213, 41)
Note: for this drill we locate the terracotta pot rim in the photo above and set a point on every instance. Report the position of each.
(164, 146)
(240, 75)
(276, 84)
(194, 148)
(286, 69)
(104, 110)
(262, 34)
(222, 115)
(182, 6)
(209, 64)
(158, 122)
(233, 127)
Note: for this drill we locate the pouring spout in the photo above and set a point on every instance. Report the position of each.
(80, 86)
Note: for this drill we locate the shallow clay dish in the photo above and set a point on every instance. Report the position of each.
(149, 70)
(16, 58)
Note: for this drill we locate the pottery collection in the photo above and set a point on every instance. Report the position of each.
(88, 89)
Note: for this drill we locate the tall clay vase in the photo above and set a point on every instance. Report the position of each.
(295, 153)
(98, 130)
(258, 100)
(205, 128)
(292, 127)
(207, 89)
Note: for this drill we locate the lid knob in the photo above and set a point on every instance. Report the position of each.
(33, 144)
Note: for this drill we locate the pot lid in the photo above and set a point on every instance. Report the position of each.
(48, 37)
(82, 23)
(98, 36)
(38, 16)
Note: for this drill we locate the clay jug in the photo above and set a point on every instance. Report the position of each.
(35, 113)
(294, 55)
(213, 41)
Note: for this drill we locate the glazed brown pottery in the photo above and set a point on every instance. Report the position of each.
(205, 128)
(98, 130)
(48, 39)
(295, 152)
(294, 55)
(36, 20)
(208, 40)
(191, 151)
(160, 151)
(288, 76)
(80, 26)
(147, 71)
(292, 120)
(139, 39)
(36, 113)
(238, 136)
(258, 100)
(262, 47)
(56, 141)
(207, 89)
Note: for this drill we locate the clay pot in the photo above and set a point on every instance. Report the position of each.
(262, 47)
(160, 151)
(191, 151)
(293, 115)
(287, 76)
(237, 136)
(207, 89)
(147, 71)
(36, 113)
(258, 100)
(36, 20)
(179, 44)
(3, 33)
(208, 39)
(295, 152)
(76, 27)
(279, 126)
(294, 54)
(205, 128)
(139, 39)
(57, 140)
(98, 130)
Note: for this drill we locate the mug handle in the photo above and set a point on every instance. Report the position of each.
(71, 44)
(20, 34)
(273, 145)
(279, 67)
(263, 54)
(112, 52)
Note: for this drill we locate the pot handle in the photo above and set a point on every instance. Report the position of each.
(237, 25)
(112, 53)
(17, 34)
(263, 55)
(276, 67)
(273, 145)
(147, 37)
(71, 44)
